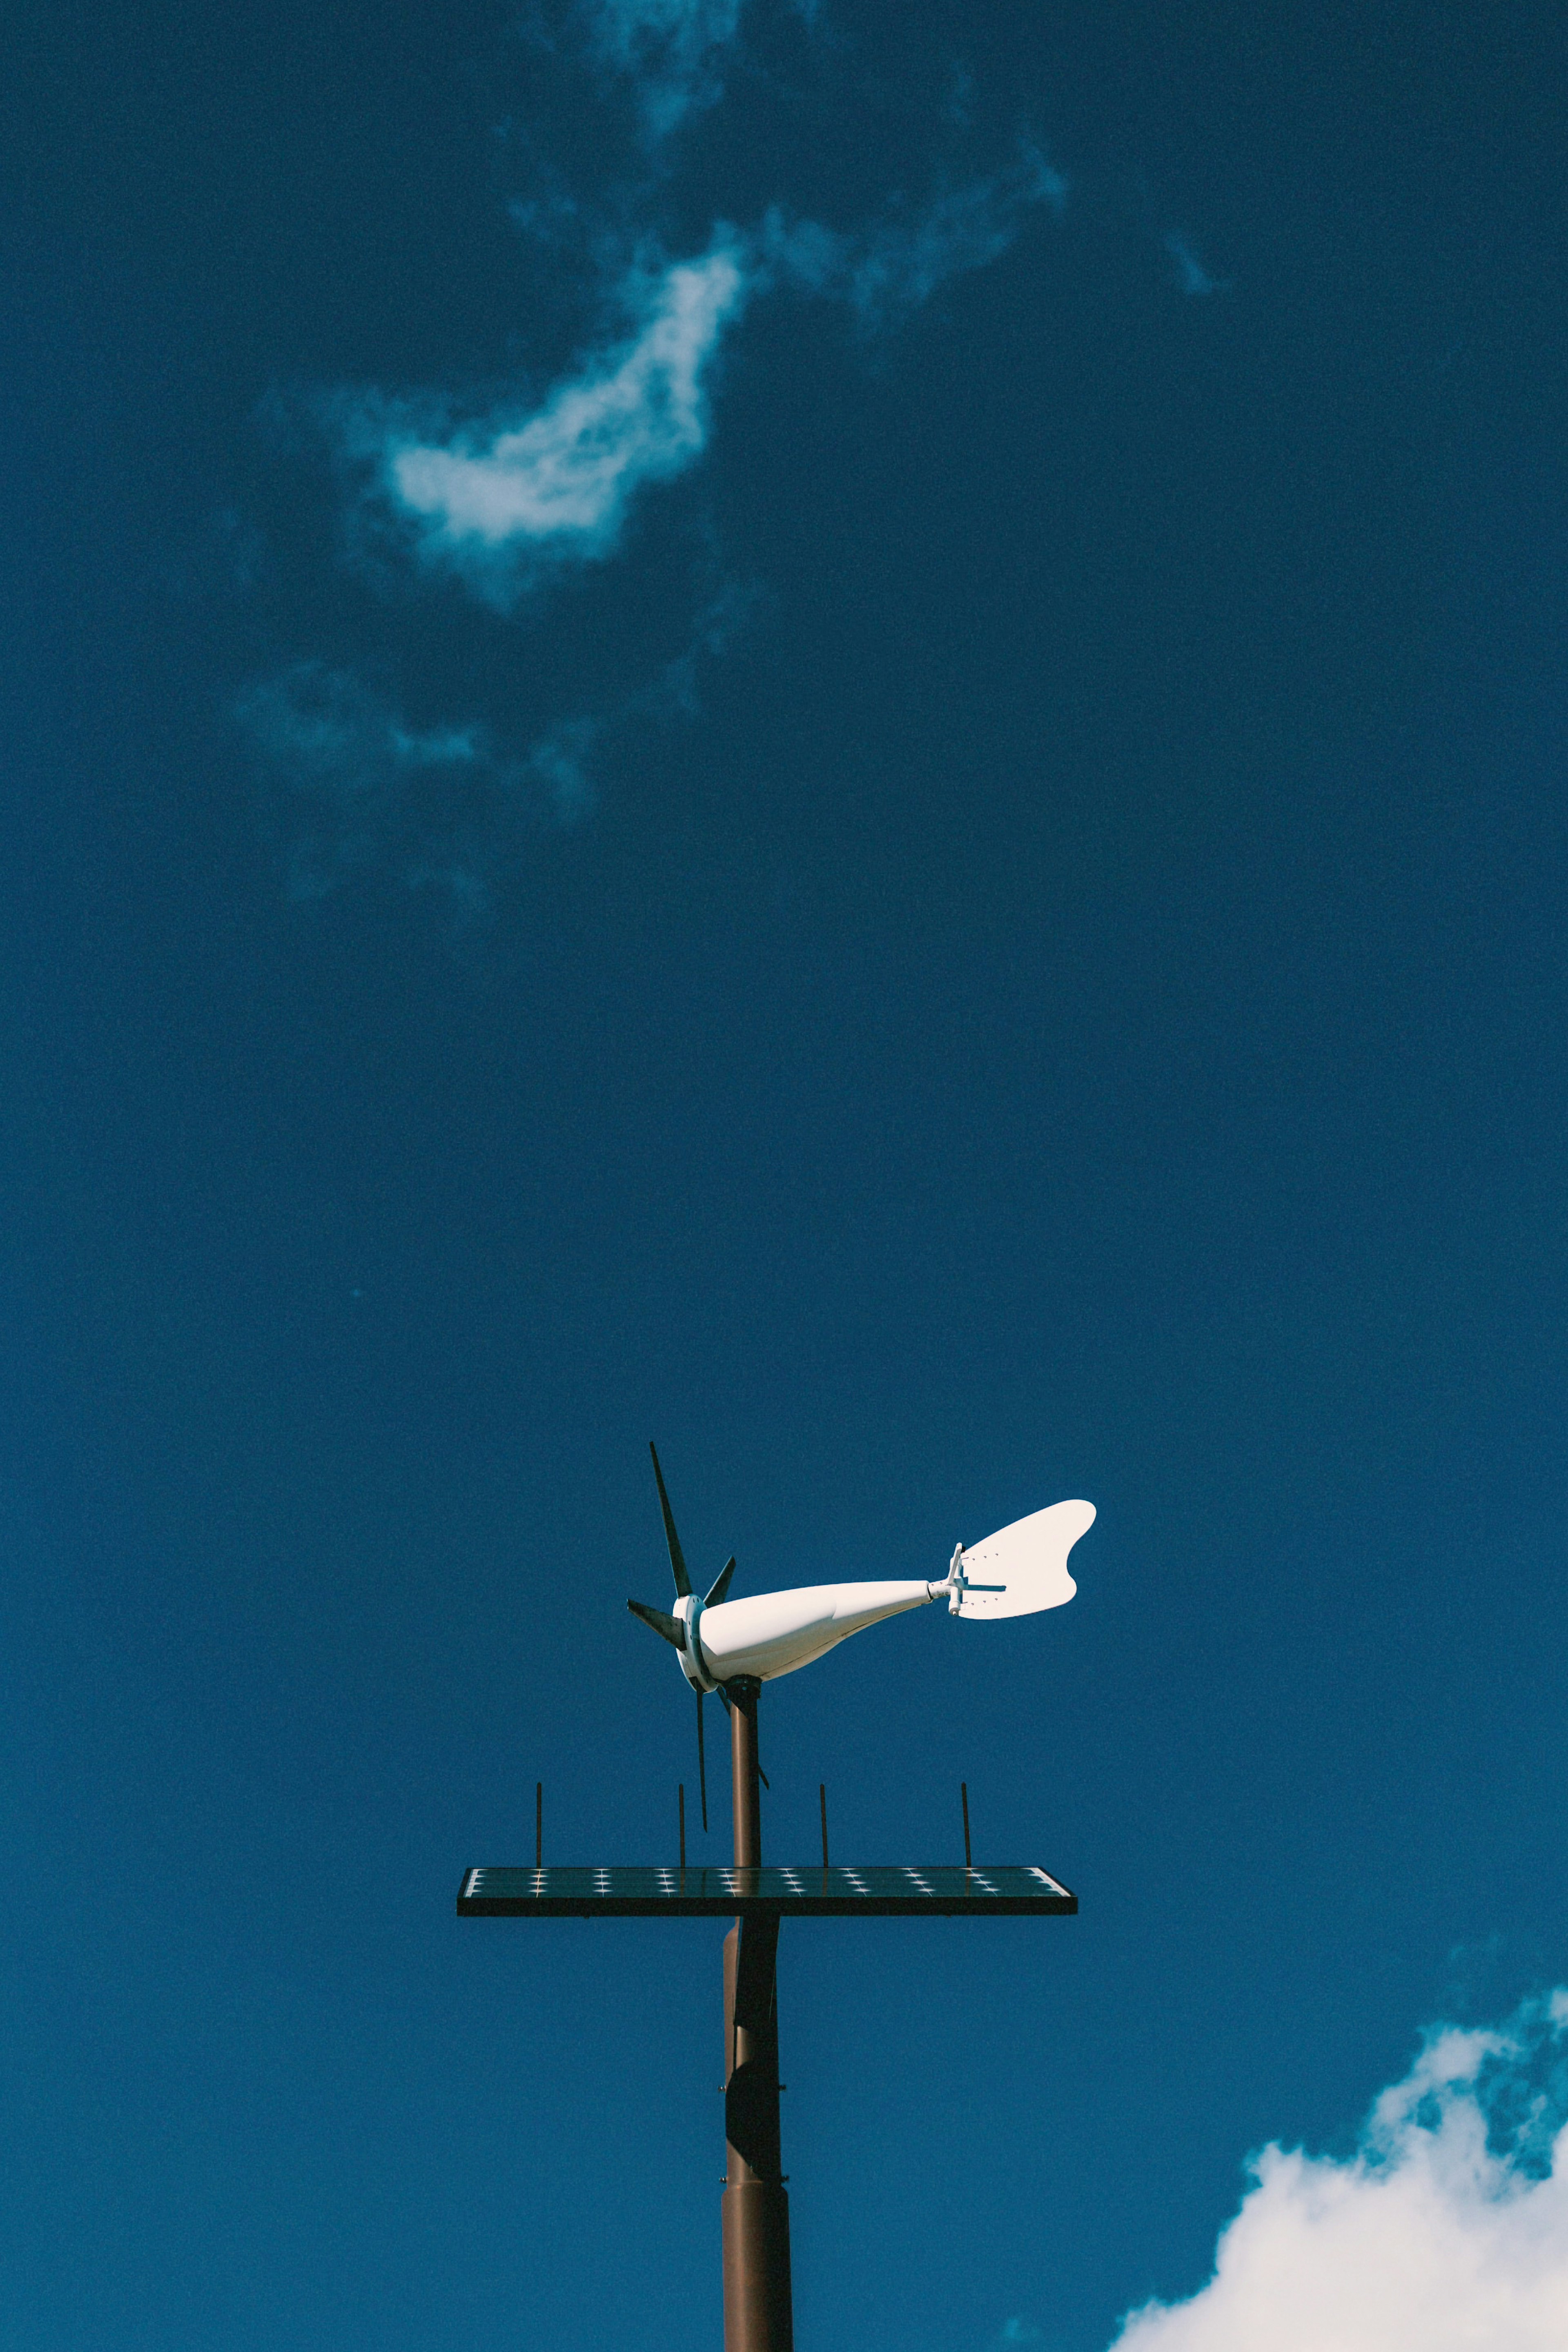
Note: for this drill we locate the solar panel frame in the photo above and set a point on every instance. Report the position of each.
(802, 1891)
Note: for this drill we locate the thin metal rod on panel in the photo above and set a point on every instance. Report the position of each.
(822, 1797)
(539, 1825)
(963, 1792)
(680, 1794)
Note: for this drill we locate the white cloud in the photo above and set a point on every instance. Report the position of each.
(901, 264)
(504, 499)
(1191, 275)
(560, 481)
(901, 260)
(556, 484)
(668, 48)
(559, 762)
(1446, 2231)
(441, 803)
(334, 732)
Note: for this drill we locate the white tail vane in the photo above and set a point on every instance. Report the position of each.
(1021, 1568)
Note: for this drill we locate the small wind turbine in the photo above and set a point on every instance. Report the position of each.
(772, 1634)
(733, 1647)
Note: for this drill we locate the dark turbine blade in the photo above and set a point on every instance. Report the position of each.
(677, 1558)
(721, 1584)
(701, 1760)
(672, 1629)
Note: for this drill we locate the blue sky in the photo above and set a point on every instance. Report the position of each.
(836, 734)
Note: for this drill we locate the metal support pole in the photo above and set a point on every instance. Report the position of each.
(745, 1780)
(755, 2208)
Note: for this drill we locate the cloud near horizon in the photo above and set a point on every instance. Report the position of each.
(1447, 2230)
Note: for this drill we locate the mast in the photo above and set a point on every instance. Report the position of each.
(758, 2316)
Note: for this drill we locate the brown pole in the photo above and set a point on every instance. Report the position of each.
(745, 1778)
(755, 2208)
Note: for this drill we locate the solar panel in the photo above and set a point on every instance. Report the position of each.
(940, 1890)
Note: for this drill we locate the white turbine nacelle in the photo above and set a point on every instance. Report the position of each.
(1021, 1568)
(731, 1646)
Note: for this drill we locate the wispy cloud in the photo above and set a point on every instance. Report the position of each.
(353, 787)
(557, 483)
(895, 264)
(1446, 2229)
(498, 498)
(902, 264)
(1190, 274)
(668, 50)
(723, 616)
(503, 493)
(367, 789)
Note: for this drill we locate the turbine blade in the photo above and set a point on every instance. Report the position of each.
(721, 1584)
(701, 1760)
(672, 1629)
(677, 1557)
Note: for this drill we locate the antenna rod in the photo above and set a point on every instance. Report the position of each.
(539, 1825)
(822, 1797)
(680, 1793)
(963, 1792)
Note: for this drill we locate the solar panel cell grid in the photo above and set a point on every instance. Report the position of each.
(798, 1891)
